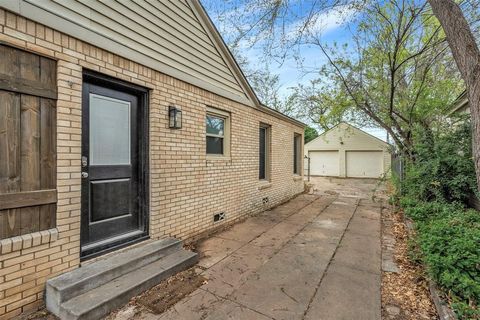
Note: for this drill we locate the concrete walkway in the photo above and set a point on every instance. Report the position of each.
(315, 257)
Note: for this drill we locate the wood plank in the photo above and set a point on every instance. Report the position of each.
(9, 142)
(29, 65)
(9, 64)
(20, 72)
(30, 159)
(48, 168)
(3, 224)
(9, 159)
(30, 140)
(34, 88)
(48, 74)
(27, 199)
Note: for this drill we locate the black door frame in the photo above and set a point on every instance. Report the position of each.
(93, 77)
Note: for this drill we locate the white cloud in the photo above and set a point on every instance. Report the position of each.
(324, 22)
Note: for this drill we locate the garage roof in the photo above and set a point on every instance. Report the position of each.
(347, 126)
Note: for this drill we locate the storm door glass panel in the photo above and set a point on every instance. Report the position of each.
(109, 131)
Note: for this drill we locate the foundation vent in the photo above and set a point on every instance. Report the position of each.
(219, 217)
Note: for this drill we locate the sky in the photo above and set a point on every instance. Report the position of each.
(333, 25)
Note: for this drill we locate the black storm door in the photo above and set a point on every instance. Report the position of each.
(112, 204)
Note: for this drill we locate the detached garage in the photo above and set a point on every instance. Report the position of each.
(346, 151)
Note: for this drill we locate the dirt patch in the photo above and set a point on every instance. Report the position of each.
(405, 294)
(164, 295)
(167, 293)
(40, 314)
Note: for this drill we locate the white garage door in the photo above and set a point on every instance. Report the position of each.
(364, 164)
(324, 163)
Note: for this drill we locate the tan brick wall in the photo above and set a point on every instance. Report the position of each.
(186, 189)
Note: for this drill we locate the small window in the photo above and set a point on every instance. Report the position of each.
(217, 127)
(264, 157)
(297, 151)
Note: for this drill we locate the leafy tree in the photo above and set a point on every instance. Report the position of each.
(310, 134)
(397, 74)
(265, 84)
(267, 87)
(467, 56)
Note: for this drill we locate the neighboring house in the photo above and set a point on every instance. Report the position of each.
(94, 152)
(460, 105)
(346, 151)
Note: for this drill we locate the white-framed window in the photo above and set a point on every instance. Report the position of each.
(264, 152)
(217, 130)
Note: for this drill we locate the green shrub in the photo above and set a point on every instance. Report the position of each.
(439, 179)
(442, 168)
(421, 211)
(449, 239)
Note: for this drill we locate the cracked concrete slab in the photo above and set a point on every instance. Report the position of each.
(233, 311)
(215, 249)
(233, 271)
(315, 257)
(246, 231)
(346, 293)
(277, 236)
(198, 305)
(359, 252)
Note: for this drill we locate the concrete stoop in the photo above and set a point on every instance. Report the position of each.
(94, 290)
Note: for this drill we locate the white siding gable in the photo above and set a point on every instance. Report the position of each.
(352, 138)
(170, 36)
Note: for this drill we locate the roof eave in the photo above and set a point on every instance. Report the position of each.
(227, 54)
(279, 114)
(459, 103)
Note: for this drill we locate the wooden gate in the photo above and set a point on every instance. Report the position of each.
(28, 93)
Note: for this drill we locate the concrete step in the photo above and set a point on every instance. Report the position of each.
(102, 271)
(98, 302)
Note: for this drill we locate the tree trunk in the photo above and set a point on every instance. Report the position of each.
(467, 56)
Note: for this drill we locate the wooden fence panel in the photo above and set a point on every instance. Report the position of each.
(27, 142)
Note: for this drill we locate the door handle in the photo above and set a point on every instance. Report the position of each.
(84, 175)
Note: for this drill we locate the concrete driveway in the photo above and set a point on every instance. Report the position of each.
(351, 187)
(315, 257)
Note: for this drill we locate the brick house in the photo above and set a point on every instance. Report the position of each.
(122, 124)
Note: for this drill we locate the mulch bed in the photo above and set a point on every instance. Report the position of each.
(405, 295)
